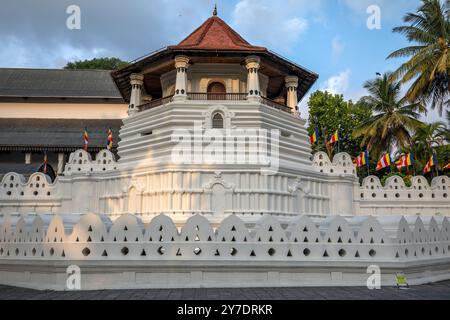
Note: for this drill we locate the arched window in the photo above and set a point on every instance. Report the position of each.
(217, 121)
(216, 91)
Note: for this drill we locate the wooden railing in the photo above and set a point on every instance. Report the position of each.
(203, 96)
(217, 96)
(276, 105)
(155, 103)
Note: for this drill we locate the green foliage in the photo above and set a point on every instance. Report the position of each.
(428, 139)
(406, 178)
(393, 120)
(97, 63)
(429, 63)
(329, 112)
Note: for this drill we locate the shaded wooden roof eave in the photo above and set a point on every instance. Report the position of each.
(121, 77)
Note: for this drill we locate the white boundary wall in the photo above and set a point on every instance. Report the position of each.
(329, 188)
(36, 250)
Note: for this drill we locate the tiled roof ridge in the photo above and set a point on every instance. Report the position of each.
(195, 38)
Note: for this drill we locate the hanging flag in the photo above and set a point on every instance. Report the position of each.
(433, 161)
(86, 139)
(446, 167)
(427, 167)
(109, 141)
(314, 136)
(405, 161)
(384, 162)
(335, 137)
(362, 159)
(430, 163)
(45, 162)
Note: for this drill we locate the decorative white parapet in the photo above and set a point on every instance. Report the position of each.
(130, 254)
(16, 192)
(39, 194)
(396, 198)
(80, 161)
(342, 163)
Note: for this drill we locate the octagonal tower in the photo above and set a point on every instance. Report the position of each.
(187, 100)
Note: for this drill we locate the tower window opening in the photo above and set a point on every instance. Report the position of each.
(216, 91)
(217, 121)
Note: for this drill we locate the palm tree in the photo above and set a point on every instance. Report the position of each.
(394, 119)
(430, 136)
(430, 139)
(429, 63)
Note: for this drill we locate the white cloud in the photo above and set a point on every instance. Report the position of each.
(34, 33)
(337, 48)
(275, 24)
(18, 53)
(337, 84)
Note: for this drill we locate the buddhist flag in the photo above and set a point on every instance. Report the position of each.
(427, 167)
(335, 137)
(446, 167)
(109, 140)
(86, 139)
(45, 163)
(384, 162)
(314, 136)
(362, 159)
(405, 161)
(430, 163)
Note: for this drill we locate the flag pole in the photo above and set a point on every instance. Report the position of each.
(339, 138)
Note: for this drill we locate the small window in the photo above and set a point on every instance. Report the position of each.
(217, 121)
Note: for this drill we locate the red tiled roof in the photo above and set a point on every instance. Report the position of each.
(215, 34)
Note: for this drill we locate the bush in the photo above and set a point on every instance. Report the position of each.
(406, 178)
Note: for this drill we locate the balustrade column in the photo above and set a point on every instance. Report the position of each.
(136, 81)
(291, 85)
(181, 65)
(252, 63)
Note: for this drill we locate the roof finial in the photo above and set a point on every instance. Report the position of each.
(215, 10)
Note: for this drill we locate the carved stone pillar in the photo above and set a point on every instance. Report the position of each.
(252, 63)
(181, 65)
(291, 85)
(136, 81)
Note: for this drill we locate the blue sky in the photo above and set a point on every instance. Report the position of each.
(329, 37)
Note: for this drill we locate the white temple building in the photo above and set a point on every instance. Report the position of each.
(216, 186)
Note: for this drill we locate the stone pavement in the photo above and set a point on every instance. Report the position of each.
(440, 291)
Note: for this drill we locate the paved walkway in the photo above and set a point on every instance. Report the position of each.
(433, 291)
